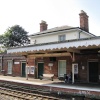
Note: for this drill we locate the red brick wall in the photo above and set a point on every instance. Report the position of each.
(16, 68)
(82, 60)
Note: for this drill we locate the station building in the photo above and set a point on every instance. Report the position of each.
(61, 50)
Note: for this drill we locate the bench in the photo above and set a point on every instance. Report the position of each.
(63, 78)
(47, 76)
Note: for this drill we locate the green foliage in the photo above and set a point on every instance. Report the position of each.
(14, 36)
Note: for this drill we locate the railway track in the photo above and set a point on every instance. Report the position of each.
(13, 91)
(9, 94)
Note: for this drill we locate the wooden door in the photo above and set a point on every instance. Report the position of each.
(93, 72)
(40, 69)
(23, 69)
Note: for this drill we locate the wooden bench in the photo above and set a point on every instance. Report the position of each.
(47, 76)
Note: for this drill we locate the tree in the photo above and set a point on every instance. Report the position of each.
(15, 36)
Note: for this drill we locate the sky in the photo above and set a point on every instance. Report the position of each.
(29, 13)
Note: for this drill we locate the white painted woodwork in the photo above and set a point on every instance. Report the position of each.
(77, 44)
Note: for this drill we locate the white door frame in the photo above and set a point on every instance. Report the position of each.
(11, 62)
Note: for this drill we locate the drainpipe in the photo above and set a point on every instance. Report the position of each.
(79, 34)
(2, 69)
(35, 71)
(27, 69)
(73, 59)
(1, 62)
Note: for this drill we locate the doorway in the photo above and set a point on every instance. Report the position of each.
(23, 69)
(40, 69)
(93, 72)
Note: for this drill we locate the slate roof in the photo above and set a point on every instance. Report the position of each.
(55, 29)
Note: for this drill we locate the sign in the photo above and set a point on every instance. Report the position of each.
(32, 69)
(74, 71)
(16, 62)
(75, 68)
(50, 64)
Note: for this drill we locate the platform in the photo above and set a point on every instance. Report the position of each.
(84, 89)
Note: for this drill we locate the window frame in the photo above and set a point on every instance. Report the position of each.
(62, 37)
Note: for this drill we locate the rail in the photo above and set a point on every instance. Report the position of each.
(20, 95)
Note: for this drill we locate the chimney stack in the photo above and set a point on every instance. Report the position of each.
(84, 21)
(43, 26)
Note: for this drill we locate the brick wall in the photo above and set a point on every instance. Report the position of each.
(16, 68)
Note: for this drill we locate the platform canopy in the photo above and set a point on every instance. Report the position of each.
(70, 46)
